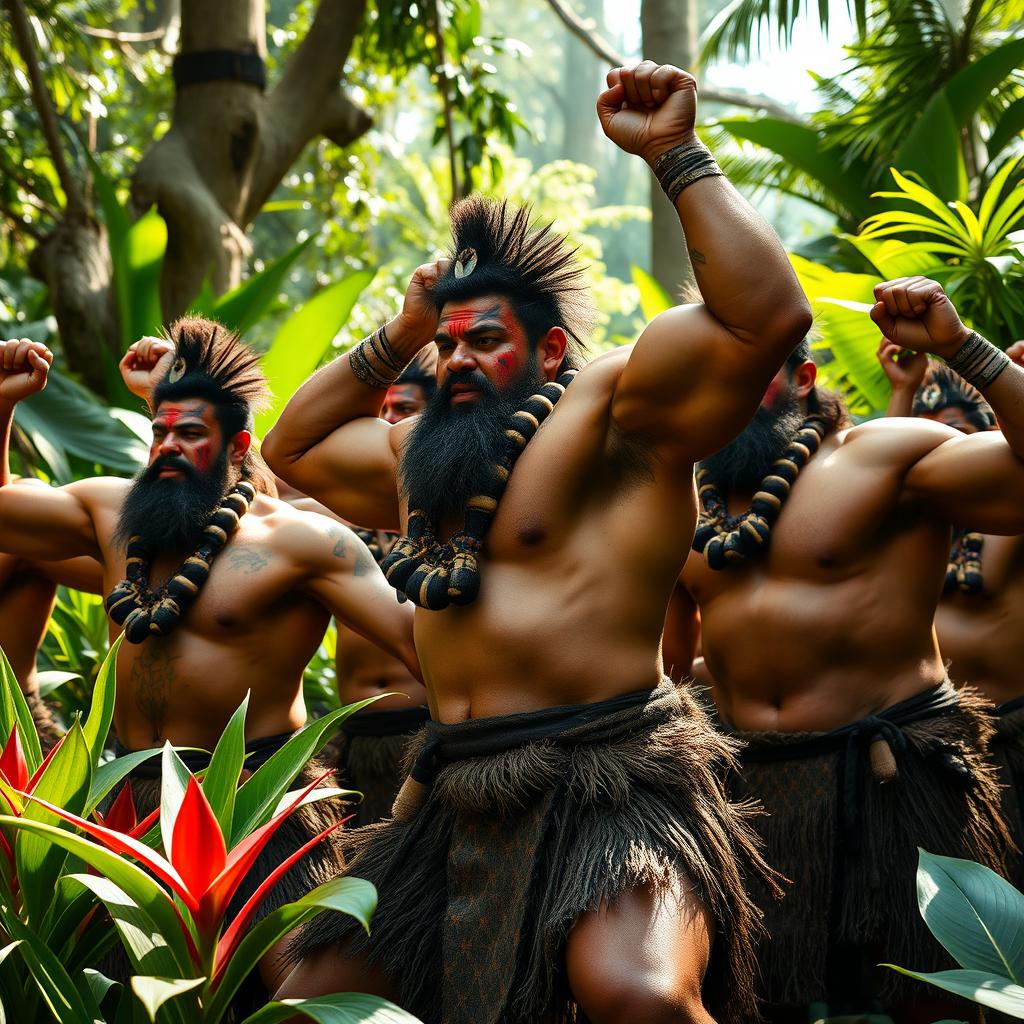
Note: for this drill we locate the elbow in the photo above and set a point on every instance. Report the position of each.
(791, 324)
(273, 454)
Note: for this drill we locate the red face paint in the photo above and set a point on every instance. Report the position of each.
(457, 322)
(169, 416)
(202, 456)
(508, 363)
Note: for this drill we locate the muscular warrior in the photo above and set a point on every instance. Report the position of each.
(818, 562)
(563, 845)
(369, 748)
(980, 619)
(220, 587)
(28, 592)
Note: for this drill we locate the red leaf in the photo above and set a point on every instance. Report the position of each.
(197, 845)
(244, 855)
(12, 761)
(122, 816)
(232, 937)
(145, 825)
(126, 845)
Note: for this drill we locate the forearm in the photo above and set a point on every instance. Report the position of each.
(901, 402)
(350, 388)
(743, 272)
(6, 422)
(1006, 396)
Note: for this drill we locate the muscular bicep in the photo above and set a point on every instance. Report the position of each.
(47, 523)
(691, 385)
(973, 481)
(353, 471)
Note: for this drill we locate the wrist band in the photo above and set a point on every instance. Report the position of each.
(375, 362)
(680, 167)
(978, 361)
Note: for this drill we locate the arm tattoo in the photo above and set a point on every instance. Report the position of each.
(152, 676)
(364, 563)
(697, 256)
(337, 534)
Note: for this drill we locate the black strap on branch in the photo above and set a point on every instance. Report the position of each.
(201, 66)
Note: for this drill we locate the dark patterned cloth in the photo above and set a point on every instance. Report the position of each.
(1008, 754)
(368, 754)
(848, 843)
(529, 821)
(47, 729)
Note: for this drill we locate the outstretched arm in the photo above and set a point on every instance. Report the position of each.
(975, 481)
(697, 373)
(39, 523)
(905, 370)
(344, 578)
(329, 442)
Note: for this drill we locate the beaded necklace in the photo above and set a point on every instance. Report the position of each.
(433, 574)
(144, 612)
(963, 572)
(726, 540)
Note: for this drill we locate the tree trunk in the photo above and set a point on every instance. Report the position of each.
(669, 30)
(582, 78)
(230, 144)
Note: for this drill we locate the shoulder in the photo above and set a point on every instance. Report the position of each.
(895, 441)
(98, 492)
(600, 375)
(307, 536)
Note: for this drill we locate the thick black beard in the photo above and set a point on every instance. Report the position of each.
(169, 515)
(448, 455)
(744, 462)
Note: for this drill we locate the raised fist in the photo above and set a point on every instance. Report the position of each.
(24, 365)
(904, 368)
(648, 109)
(416, 325)
(145, 364)
(915, 313)
(1016, 352)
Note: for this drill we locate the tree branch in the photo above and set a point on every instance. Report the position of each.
(343, 119)
(44, 105)
(603, 49)
(121, 37)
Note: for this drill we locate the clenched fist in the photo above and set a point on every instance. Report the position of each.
(648, 109)
(915, 313)
(904, 368)
(24, 365)
(416, 325)
(145, 364)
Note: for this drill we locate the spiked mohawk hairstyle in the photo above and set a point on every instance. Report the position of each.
(496, 250)
(943, 387)
(214, 363)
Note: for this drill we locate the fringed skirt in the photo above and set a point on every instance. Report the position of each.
(528, 821)
(845, 814)
(47, 729)
(1007, 748)
(369, 753)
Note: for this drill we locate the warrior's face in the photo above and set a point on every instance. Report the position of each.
(403, 401)
(190, 469)
(480, 342)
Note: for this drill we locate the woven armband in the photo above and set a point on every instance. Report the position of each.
(978, 361)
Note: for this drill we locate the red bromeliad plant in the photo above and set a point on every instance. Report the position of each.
(168, 908)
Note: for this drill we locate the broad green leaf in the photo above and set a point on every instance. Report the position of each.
(1009, 128)
(110, 773)
(101, 714)
(136, 883)
(143, 941)
(221, 782)
(144, 249)
(976, 915)
(968, 89)
(65, 783)
(154, 992)
(241, 308)
(803, 147)
(991, 990)
(890, 257)
(344, 1008)
(73, 422)
(353, 896)
(312, 797)
(932, 149)
(58, 990)
(13, 708)
(99, 984)
(993, 193)
(258, 796)
(653, 298)
(304, 339)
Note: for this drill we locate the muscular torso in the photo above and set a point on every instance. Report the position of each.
(983, 634)
(250, 629)
(835, 622)
(576, 574)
